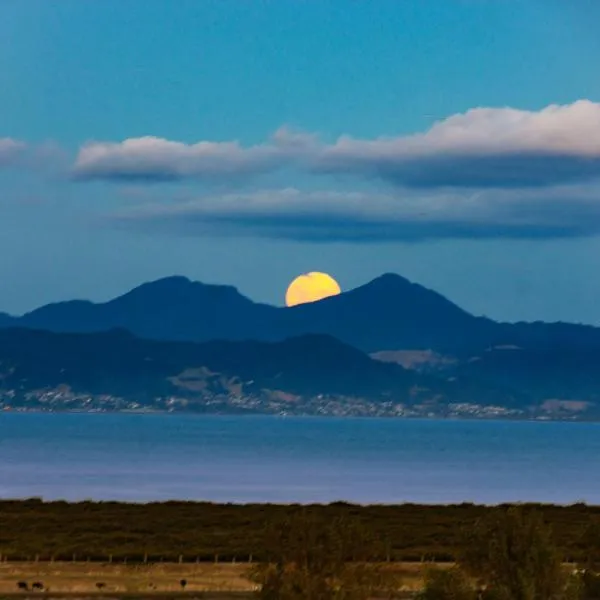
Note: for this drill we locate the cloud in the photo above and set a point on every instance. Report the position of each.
(291, 214)
(487, 173)
(10, 151)
(157, 159)
(42, 157)
(482, 148)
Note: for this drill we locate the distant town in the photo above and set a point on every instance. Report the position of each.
(62, 399)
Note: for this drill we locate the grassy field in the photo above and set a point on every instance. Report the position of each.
(152, 579)
(84, 577)
(202, 595)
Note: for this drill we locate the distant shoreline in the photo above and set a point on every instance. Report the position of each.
(36, 500)
(191, 413)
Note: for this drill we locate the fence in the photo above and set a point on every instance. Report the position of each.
(127, 559)
(150, 559)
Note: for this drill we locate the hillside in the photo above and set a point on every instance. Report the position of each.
(388, 313)
(161, 339)
(173, 308)
(53, 368)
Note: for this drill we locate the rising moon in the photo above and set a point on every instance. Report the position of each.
(311, 287)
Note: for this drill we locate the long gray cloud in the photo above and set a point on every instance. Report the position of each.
(484, 147)
(562, 212)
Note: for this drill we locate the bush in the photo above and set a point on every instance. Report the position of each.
(311, 558)
(511, 553)
(447, 584)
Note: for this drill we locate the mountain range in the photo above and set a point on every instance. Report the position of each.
(388, 313)
(194, 340)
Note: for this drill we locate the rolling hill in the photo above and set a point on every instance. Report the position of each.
(36, 364)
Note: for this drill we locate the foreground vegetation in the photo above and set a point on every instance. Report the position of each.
(334, 552)
(190, 531)
(509, 554)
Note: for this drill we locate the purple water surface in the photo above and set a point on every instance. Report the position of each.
(272, 459)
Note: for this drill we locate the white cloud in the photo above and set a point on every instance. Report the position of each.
(155, 158)
(567, 129)
(501, 147)
(484, 147)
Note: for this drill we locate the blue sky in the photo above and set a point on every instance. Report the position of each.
(453, 141)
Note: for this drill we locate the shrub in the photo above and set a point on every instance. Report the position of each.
(511, 553)
(312, 558)
(447, 584)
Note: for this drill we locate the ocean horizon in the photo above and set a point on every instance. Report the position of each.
(249, 459)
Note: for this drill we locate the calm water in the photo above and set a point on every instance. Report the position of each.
(248, 459)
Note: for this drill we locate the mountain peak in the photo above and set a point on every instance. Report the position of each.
(389, 280)
(173, 282)
(179, 286)
(388, 285)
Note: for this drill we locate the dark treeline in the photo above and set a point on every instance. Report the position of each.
(191, 531)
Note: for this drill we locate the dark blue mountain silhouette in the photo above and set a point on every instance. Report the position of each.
(389, 313)
(316, 348)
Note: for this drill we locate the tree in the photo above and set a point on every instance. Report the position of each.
(512, 555)
(318, 559)
(183, 583)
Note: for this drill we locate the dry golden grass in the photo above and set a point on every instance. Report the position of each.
(83, 577)
(151, 578)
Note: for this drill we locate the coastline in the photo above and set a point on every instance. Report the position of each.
(300, 415)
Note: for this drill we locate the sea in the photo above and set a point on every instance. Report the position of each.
(244, 459)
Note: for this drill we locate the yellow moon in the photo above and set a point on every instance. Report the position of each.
(311, 287)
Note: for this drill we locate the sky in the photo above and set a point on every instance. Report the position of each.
(455, 142)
